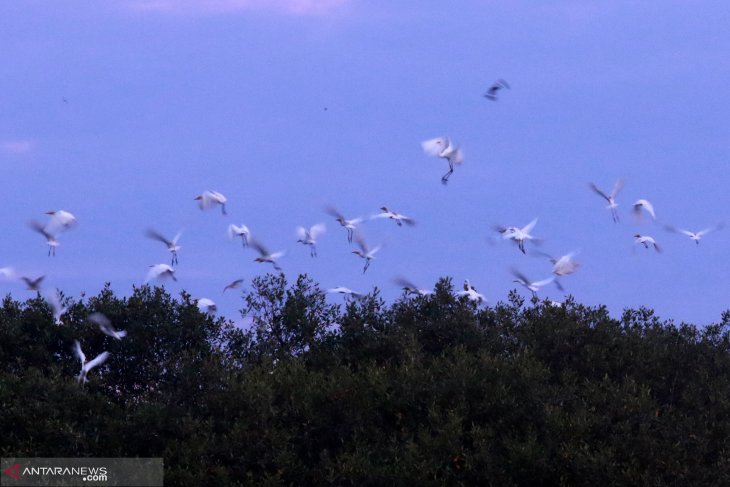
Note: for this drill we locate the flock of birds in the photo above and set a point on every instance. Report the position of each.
(60, 221)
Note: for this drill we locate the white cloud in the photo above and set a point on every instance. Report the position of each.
(16, 146)
(294, 7)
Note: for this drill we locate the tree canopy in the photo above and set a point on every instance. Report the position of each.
(428, 390)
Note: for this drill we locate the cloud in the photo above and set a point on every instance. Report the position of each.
(292, 7)
(16, 146)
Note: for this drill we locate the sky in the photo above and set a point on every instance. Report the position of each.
(122, 112)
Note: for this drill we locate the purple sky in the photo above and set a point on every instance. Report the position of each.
(287, 105)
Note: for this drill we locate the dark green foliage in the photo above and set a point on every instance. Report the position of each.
(427, 391)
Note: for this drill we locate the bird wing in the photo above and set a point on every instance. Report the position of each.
(259, 248)
(332, 211)
(433, 147)
(528, 228)
(276, 255)
(617, 187)
(598, 191)
(302, 233)
(100, 320)
(543, 282)
(98, 360)
(154, 235)
(79, 353)
(40, 229)
(407, 220)
(403, 282)
(317, 230)
(711, 229)
(360, 241)
(7, 272)
(521, 277)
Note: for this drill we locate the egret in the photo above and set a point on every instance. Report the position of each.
(365, 252)
(646, 205)
(471, 293)
(54, 300)
(206, 305)
(209, 199)
(519, 235)
(87, 366)
(443, 147)
(347, 292)
(160, 271)
(398, 218)
(309, 236)
(50, 238)
(242, 231)
(696, 236)
(611, 198)
(410, 288)
(60, 221)
(171, 245)
(646, 241)
(533, 286)
(105, 326)
(349, 225)
(234, 285)
(266, 256)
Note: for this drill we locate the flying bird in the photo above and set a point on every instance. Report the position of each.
(160, 271)
(7, 272)
(399, 218)
(349, 225)
(347, 292)
(242, 231)
(171, 245)
(471, 293)
(443, 147)
(696, 236)
(33, 284)
(105, 326)
(611, 198)
(209, 199)
(519, 235)
(365, 252)
(54, 300)
(309, 236)
(491, 93)
(410, 288)
(533, 286)
(646, 241)
(563, 265)
(234, 285)
(87, 366)
(646, 205)
(50, 238)
(206, 305)
(265, 255)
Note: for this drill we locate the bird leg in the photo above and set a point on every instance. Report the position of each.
(223, 209)
(367, 264)
(349, 235)
(445, 178)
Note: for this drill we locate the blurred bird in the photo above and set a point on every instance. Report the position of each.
(60, 221)
(171, 245)
(519, 235)
(206, 305)
(410, 288)
(33, 284)
(160, 271)
(646, 205)
(399, 218)
(533, 286)
(209, 199)
(365, 252)
(696, 236)
(611, 198)
(7, 273)
(234, 285)
(646, 241)
(349, 225)
(309, 236)
(471, 293)
(563, 265)
(87, 366)
(105, 326)
(444, 148)
(347, 292)
(54, 300)
(50, 238)
(265, 255)
(242, 231)
(491, 93)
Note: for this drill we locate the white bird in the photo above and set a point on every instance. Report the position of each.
(242, 231)
(696, 236)
(646, 241)
(365, 252)
(209, 199)
(534, 286)
(646, 205)
(206, 305)
(33, 284)
(87, 366)
(309, 236)
(471, 293)
(563, 265)
(519, 235)
(611, 198)
(234, 285)
(50, 237)
(399, 218)
(54, 300)
(349, 225)
(7, 272)
(347, 292)
(60, 221)
(491, 93)
(105, 326)
(171, 245)
(410, 288)
(160, 271)
(444, 148)
(265, 255)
